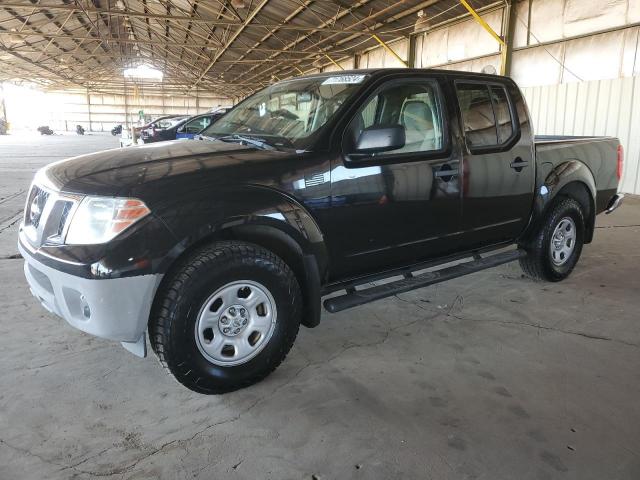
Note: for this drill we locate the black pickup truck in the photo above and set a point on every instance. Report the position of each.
(314, 187)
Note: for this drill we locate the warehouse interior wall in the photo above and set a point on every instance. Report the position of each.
(595, 108)
(29, 108)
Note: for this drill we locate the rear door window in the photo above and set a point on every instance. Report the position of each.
(486, 114)
(503, 113)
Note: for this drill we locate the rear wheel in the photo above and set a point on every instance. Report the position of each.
(226, 318)
(554, 250)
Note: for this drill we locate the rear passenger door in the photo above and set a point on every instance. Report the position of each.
(498, 164)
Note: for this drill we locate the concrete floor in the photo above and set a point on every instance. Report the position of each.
(490, 376)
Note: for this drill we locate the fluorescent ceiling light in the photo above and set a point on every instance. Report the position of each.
(143, 71)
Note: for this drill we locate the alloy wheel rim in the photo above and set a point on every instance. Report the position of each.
(235, 323)
(563, 241)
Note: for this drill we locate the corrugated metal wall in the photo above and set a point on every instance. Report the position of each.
(603, 107)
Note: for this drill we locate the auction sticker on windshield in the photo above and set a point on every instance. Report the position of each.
(344, 79)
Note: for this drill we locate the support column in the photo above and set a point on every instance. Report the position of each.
(4, 107)
(411, 60)
(4, 122)
(89, 108)
(510, 28)
(529, 23)
(164, 108)
(126, 105)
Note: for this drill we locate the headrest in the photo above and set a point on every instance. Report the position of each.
(416, 115)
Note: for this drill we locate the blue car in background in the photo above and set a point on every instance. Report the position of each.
(196, 124)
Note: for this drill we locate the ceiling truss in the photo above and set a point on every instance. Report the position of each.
(225, 47)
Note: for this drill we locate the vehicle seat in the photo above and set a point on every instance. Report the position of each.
(479, 123)
(417, 118)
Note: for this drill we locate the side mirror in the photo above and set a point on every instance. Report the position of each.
(381, 139)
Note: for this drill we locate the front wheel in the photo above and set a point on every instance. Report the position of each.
(553, 251)
(226, 318)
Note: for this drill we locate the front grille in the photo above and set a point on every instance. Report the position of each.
(35, 206)
(47, 214)
(64, 214)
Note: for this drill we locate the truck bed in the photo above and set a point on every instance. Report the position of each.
(599, 154)
(544, 139)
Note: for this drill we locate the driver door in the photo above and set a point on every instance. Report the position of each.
(392, 208)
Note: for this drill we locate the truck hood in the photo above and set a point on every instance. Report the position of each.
(119, 171)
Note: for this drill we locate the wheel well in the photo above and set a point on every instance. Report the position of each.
(274, 240)
(282, 245)
(581, 193)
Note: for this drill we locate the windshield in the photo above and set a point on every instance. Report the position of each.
(290, 112)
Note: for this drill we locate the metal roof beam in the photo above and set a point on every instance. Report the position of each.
(319, 28)
(235, 35)
(173, 18)
(46, 36)
(39, 66)
(366, 31)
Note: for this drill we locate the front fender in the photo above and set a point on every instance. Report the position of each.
(203, 214)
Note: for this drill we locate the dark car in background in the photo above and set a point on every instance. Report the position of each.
(194, 125)
(163, 128)
(150, 124)
(126, 139)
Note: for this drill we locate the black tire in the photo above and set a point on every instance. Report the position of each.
(172, 324)
(538, 263)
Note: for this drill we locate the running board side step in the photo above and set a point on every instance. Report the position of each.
(354, 298)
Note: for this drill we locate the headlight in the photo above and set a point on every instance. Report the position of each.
(99, 219)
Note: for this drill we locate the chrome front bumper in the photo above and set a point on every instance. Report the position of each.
(115, 309)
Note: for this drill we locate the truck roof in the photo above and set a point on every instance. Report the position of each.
(390, 71)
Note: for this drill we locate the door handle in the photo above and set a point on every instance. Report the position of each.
(446, 173)
(518, 164)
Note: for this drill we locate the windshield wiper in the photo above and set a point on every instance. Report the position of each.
(256, 142)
